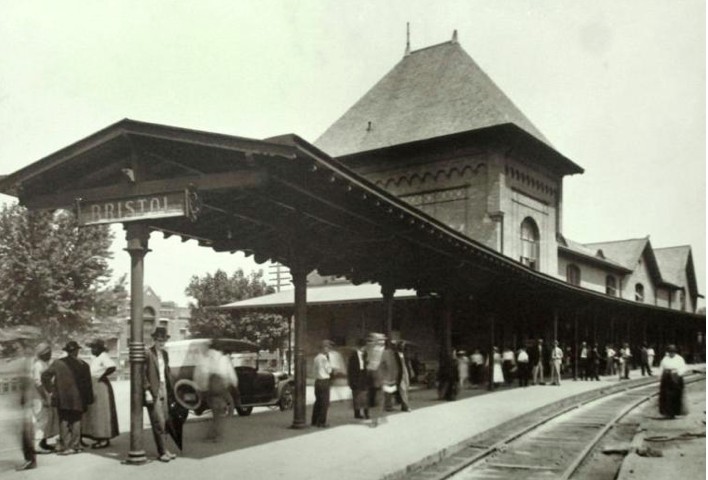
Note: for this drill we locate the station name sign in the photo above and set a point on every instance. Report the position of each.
(146, 207)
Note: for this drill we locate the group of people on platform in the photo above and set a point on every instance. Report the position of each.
(378, 373)
(534, 364)
(67, 401)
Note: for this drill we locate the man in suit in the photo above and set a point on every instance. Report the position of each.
(69, 381)
(537, 358)
(357, 379)
(157, 384)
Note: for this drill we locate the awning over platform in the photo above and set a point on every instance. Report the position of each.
(320, 295)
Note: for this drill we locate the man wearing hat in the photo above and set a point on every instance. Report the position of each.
(46, 422)
(68, 379)
(157, 384)
(323, 371)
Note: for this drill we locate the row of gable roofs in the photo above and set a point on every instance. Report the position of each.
(667, 266)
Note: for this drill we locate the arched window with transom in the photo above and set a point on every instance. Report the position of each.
(639, 292)
(572, 274)
(530, 240)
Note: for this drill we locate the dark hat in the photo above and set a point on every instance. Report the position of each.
(160, 332)
(96, 343)
(71, 346)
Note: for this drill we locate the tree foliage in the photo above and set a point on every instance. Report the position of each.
(267, 330)
(50, 270)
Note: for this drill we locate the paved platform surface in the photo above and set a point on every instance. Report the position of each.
(262, 446)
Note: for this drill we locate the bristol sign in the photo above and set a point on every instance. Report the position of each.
(146, 207)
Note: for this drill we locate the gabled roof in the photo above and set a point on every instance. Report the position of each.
(674, 263)
(624, 252)
(434, 91)
(593, 255)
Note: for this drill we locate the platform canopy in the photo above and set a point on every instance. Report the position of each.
(279, 199)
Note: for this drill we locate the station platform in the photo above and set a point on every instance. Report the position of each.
(262, 446)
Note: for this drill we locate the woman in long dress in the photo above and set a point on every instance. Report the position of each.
(672, 368)
(100, 422)
(497, 372)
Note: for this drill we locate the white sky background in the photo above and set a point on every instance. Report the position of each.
(618, 87)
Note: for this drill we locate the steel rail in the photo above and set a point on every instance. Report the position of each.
(488, 450)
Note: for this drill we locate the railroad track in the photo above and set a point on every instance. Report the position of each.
(551, 447)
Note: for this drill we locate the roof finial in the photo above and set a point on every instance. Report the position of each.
(408, 38)
(454, 36)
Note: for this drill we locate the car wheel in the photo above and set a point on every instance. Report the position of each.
(286, 398)
(244, 411)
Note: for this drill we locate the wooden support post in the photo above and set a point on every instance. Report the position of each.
(137, 235)
(299, 279)
(291, 320)
(387, 292)
(490, 357)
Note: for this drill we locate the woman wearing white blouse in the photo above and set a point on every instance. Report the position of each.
(672, 367)
(100, 421)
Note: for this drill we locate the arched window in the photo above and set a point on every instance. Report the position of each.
(611, 286)
(639, 292)
(529, 244)
(572, 274)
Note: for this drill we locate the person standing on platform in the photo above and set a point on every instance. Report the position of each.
(508, 365)
(556, 362)
(323, 374)
(625, 355)
(609, 360)
(671, 369)
(594, 362)
(157, 385)
(522, 365)
(583, 358)
(391, 375)
(404, 381)
(537, 357)
(476, 366)
(650, 357)
(100, 422)
(45, 416)
(375, 344)
(357, 380)
(645, 365)
(497, 373)
(69, 380)
(463, 369)
(27, 432)
(447, 376)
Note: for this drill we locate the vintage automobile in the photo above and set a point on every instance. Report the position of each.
(255, 387)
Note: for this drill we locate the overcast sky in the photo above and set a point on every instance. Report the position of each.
(616, 86)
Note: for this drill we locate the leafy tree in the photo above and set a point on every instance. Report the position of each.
(267, 330)
(50, 270)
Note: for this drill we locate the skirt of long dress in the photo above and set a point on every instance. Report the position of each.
(101, 420)
(498, 374)
(671, 394)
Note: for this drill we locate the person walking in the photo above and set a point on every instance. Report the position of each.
(650, 357)
(671, 370)
(100, 422)
(390, 374)
(375, 344)
(609, 360)
(322, 373)
(537, 358)
(216, 377)
(522, 365)
(404, 377)
(357, 380)
(44, 416)
(556, 362)
(157, 385)
(69, 381)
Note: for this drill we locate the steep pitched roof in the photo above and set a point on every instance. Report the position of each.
(434, 91)
(672, 262)
(624, 252)
(594, 255)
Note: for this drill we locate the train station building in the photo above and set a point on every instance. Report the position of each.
(433, 187)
